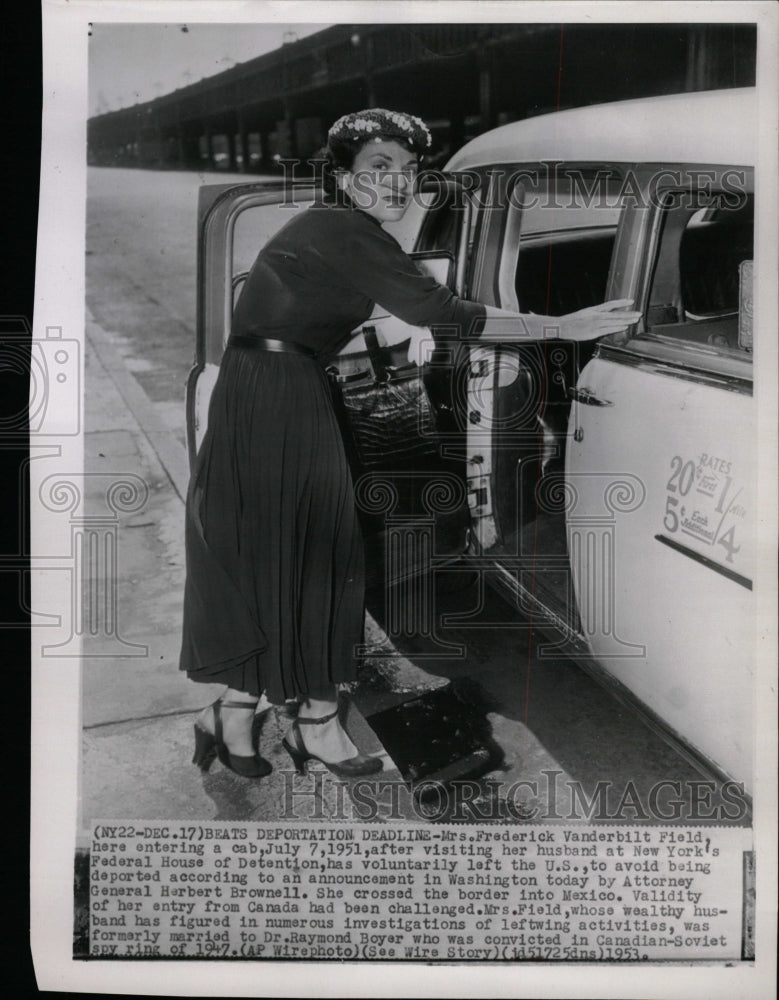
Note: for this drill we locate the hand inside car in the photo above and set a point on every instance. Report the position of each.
(506, 326)
(597, 321)
(501, 325)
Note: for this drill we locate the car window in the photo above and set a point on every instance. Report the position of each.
(442, 230)
(694, 292)
(255, 225)
(252, 229)
(558, 245)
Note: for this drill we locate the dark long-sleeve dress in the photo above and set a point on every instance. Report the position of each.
(273, 599)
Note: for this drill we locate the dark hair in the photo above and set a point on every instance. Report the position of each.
(336, 155)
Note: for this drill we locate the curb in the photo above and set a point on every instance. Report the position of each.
(171, 455)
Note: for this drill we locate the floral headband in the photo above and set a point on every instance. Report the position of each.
(378, 122)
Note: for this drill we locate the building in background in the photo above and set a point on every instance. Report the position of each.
(461, 78)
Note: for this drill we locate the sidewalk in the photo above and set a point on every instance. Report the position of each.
(138, 708)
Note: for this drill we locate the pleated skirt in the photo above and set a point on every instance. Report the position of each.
(274, 594)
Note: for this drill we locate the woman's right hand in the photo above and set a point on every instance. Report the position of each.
(598, 321)
(506, 326)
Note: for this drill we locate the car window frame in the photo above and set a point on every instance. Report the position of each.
(498, 234)
(466, 183)
(638, 243)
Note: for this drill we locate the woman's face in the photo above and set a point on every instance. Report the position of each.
(381, 180)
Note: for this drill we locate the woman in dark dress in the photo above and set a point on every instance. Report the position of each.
(274, 593)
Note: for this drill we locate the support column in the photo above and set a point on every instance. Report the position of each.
(243, 142)
(486, 92)
(289, 122)
(209, 146)
(265, 163)
(457, 129)
(181, 149)
(160, 147)
(370, 85)
(192, 152)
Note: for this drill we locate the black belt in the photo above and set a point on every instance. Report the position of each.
(264, 344)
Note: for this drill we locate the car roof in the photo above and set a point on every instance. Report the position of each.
(714, 126)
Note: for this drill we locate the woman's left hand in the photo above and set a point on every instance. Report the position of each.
(597, 321)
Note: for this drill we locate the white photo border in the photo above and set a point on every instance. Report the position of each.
(59, 301)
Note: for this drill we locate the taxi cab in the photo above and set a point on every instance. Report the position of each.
(607, 490)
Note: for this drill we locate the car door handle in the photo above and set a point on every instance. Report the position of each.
(585, 395)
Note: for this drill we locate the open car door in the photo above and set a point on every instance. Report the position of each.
(234, 223)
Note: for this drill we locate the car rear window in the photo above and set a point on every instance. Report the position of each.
(695, 289)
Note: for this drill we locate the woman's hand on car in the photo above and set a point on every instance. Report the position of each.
(506, 326)
(597, 321)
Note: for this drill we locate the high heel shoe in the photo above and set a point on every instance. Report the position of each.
(352, 767)
(210, 745)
